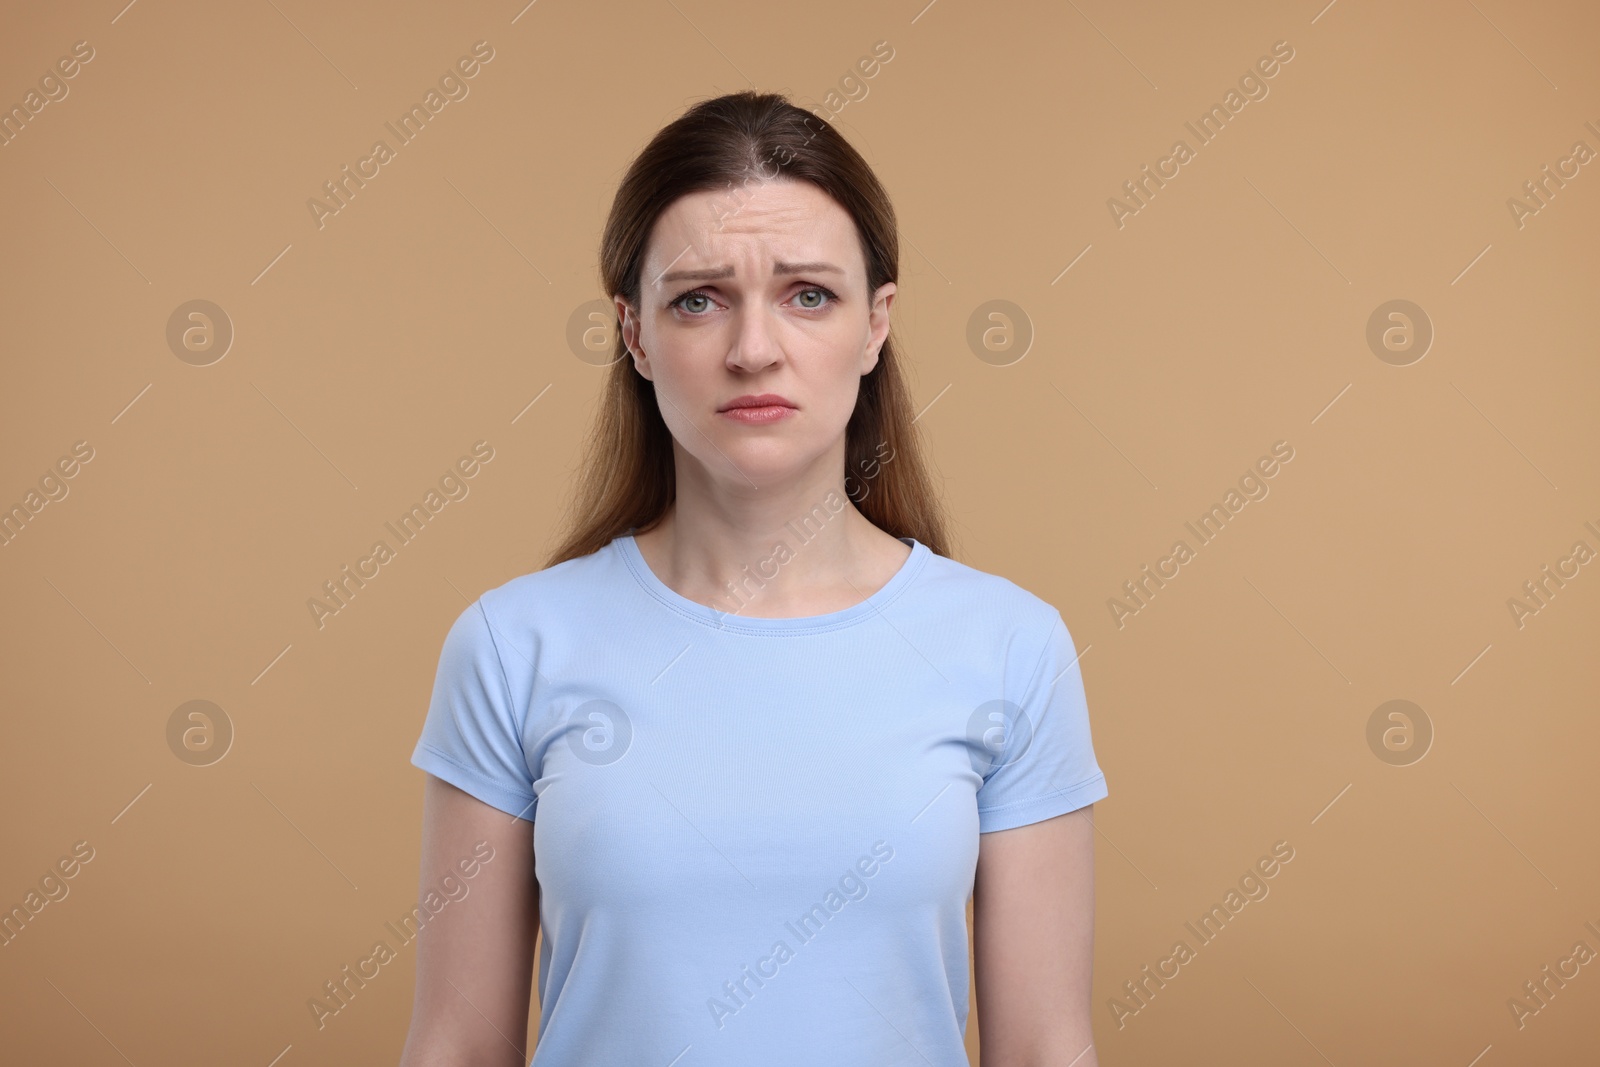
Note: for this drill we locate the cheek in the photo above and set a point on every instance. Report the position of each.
(833, 389)
(679, 385)
(688, 378)
(832, 363)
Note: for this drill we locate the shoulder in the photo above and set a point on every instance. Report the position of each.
(523, 624)
(986, 598)
(538, 604)
(540, 594)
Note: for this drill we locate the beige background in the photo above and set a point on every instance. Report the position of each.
(1229, 313)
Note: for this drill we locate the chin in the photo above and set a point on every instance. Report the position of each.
(767, 463)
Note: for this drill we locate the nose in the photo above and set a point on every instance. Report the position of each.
(755, 345)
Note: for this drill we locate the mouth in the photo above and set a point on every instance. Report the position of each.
(765, 407)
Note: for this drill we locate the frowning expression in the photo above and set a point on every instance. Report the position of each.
(755, 324)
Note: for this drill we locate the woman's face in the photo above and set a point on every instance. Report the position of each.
(759, 292)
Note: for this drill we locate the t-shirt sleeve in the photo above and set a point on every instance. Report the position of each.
(1039, 756)
(472, 736)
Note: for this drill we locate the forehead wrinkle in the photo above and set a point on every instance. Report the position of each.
(700, 227)
(780, 269)
(749, 214)
(745, 258)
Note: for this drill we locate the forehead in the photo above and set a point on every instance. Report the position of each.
(755, 222)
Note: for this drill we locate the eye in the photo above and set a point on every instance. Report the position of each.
(815, 289)
(681, 302)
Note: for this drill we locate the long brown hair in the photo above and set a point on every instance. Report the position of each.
(628, 480)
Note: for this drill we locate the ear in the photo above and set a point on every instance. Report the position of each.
(877, 325)
(630, 334)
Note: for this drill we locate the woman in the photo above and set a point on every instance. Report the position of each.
(759, 739)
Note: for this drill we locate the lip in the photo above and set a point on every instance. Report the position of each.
(757, 408)
(756, 400)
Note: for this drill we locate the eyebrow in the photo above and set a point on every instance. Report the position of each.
(713, 273)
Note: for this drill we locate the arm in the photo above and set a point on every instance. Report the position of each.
(475, 958)
(1033, 943)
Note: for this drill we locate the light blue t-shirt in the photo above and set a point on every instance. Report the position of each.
(755, 838)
